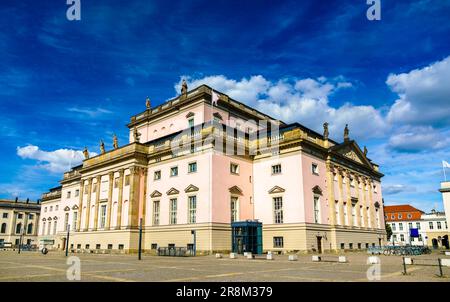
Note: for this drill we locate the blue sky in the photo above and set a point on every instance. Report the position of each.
(67, 84)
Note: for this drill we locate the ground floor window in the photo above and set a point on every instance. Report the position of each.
(342, 246)
(359, 246)
(120, 246)
(350, 246)
(110, 246)
(78, 246)
(278, 242)
(154, 246)
(87, 246)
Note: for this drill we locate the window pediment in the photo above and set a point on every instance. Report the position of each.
(172, 191)
(276, 190)
(217, 115)
(66, 209)
(317, 190)
(190, 114)
(75, 207)
(235, 190)
(156, 194)
(191, 188)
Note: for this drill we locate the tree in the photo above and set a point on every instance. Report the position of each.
(388, 232)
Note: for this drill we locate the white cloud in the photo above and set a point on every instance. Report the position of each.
(90, 112)
(300, 100)
(54, 161)
(424, 95)
(416, 139)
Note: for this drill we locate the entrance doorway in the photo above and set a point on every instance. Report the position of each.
(435, 243)
(319, 244)
(63, 243)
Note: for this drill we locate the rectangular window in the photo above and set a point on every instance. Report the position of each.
(394, 237)
(77, 192)
(154, 246)
(418, 225)
(394, 228)
(110, 246)
(353, 214)
(68, 194)
(400, 226)
(345, 214)
(359, 246)
(116, 182)
(127, 180)
(97, 246)
(66, 221)
(103, 216)
(336, 212)
(120, 246)
(342, 246)
(276, 169)
(350, 246)
(439, 226)
(420, 237)
(5, 215)
(315, 169)
(316, 209)
(234, 209)
(278, 209)
(56, 208)
(157, 175)
(94, 187)
(410, 225)
(191, 122)
(173, 171)
(431, 225)
(192, 167)
(86, 188)
(54, 227)
(402, 237)
(192, 208)
(51, 210)
(361, 216)
(104, 186)
(156, 212)
(234, 168)
(30, 216)
(49, 228)
(87, 246)
(173, 211)
(278, 242)
(74, 220)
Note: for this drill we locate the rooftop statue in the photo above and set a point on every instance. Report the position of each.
(184, 88)
(346, 132)
(147, 103)
(136, 135)
(86, 153)
(102, 147)
(115, 142)
(325, 131)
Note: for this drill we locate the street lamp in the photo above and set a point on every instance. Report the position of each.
(67, 241)
(194, 233)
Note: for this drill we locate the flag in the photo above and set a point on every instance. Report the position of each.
(214, 97)
(445, 164)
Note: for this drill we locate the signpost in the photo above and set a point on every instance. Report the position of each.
(140, 239)
(194, 233)
(67, 241)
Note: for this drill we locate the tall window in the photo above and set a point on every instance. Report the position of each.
(49, 228)
(127, 180)
(345, 214)
(439, 226)
(369, 221)
(54, 227)
(410, 225)
(418, 225)
(276, 169)
(234, 209)
(431, 225)
(315, 169)
(102, 216)
(354, 214)
(77, 192)
(157, 175)
(3, 230)
(116, 182)
(400, 226)
(377, 216)
(30, 228)
(402, 237)
(192, 167)
(156, 212)
(74, 220)
(66, 221)
(192, 208)
(173, 211)
(278, 209)
(43, 228)
(18, 228)
(191, 122)
(68, 194)
(361, 216)
(394, 227)
(336, 212)
(316, 209)
(278, 242)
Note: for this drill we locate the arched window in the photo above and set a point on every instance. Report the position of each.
(30, 228)
(3, 231)
(18, 228)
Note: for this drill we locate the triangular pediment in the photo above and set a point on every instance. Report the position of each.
(276, 189)
(66, 209)
(172, 191)
(191, 188)
(155, 194)
(217, 115)
(55, 218)
(317, 190)
(75, 207)
(235, 190)
(351, 151)
(49, 218)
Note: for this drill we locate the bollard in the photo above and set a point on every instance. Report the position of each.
(218, 255)
(374, 260)
(233, 256)
(440, 268)
(269, 256)
(447, 253)
(404, 266)
(249, 255)
(245, 254)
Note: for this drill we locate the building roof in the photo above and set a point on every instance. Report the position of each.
(401, 208)
(22, 205)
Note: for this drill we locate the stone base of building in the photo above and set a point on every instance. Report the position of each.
(216, 237)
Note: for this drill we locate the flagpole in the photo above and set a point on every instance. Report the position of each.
(445, 177)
